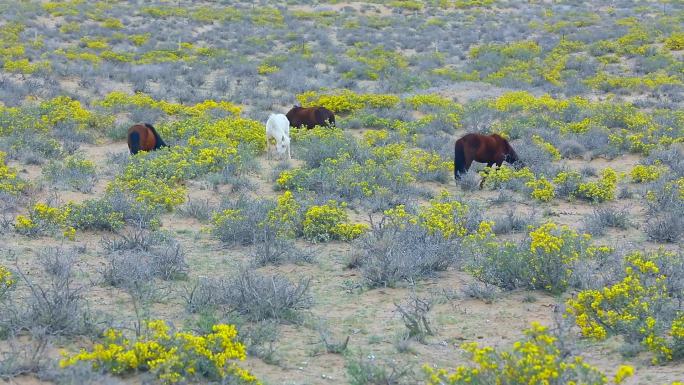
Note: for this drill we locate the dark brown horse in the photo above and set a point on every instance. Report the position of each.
(310, 117)
(143, 137)
(490, 149)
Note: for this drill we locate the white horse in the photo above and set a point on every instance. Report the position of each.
(278, 128)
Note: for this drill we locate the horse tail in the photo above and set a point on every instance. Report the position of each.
(158, 141)
(134, 142)
(459, 159)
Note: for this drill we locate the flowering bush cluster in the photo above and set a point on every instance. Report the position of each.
(286, 216)
(542, 189)
(444, 216)
(675, 42)
(6, 280)
(155, 178)
(375, 61)
(504, 176)
(431, 100)
(9, 181)
(329, 221)
(42, 219)
(120, 101)
(543, 260)
(539, 141)
(626, 126)
(496, 177)
(641, 307)
(61, 111)
(641, 173)
(347, 101)
(173, 357)
(95, 214)
(536, 359)
(601, 190)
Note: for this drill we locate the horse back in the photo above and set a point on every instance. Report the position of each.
(141, 138)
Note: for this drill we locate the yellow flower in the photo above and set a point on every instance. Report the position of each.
(622, 373)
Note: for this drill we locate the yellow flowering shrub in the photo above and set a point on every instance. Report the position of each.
(9, 181)
(174, 357)
(567, 182)
(525, 101)
(375, 137)
(24, 66)
(156, 178)
(98, 43)
(375, 60)
(444, 216)
(347, 101)
(542, 189)
(265, 69)
(652, 80)
(675, 42)
(426, 164)
(407, 4)
(601, 190)
(291, 179)
(112, 23)
(7, 280)
(498, 176)
(548, 147)
(536, 359)
(641, 173)
(634, 307)
(556, 60)
(120, 101)
(63, 109)
(285, 216)
(430, 100)
(326, 222)
(543, 260)
(43, 218)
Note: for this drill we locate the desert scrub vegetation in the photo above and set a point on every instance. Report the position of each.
(73, 172)
(254, 295)
(578, 89)
(538, 357)
(172, 356)
(56, 305)
(142, 255)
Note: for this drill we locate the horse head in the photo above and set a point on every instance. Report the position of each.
(283, 144)
(511, 156)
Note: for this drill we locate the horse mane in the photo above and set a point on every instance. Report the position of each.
(503, 140)
(159, 141)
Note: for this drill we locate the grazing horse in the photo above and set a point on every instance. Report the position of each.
(143, 137)
(310, 117)
(278, 128)
(490, 149)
